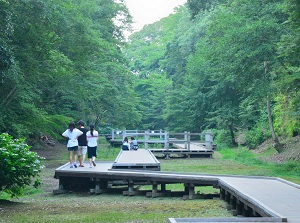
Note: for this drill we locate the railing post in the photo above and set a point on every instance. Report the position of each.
(160, 134)
(166, 140)
(146, 138)
(208, 140)
(189, 141)
(123, 134)
(185, 139)
(112, 134)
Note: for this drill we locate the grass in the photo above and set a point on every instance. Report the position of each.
(289, 170)
(42, 206)
(107, 208)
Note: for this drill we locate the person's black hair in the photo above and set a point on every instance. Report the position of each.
(71, 126)
(126, 139)
(92, 129)
(80, 122)
(132, 138)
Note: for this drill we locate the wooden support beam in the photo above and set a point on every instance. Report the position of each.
(130, 187)
(154, 189)
(159, 193)
(98, 189)
(239, 207)
(60, 189)
(233, 201)
(191, 191)
(163, 187)
(134, 193)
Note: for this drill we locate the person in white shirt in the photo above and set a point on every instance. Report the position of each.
(92, 138)
(125, 144)
(72, 134)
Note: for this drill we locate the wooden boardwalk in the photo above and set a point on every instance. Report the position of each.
(257, 199)
(195, 150)
(127, 160)
(184, 144)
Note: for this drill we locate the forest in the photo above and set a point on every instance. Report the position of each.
(229, 66)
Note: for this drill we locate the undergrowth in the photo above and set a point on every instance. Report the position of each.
(289, 169)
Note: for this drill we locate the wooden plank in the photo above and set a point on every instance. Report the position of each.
(267, 196)
(136, 159)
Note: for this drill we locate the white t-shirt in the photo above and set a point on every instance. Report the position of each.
(72, 137)
(92, 140)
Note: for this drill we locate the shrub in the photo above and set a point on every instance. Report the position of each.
(19, 167)
(222, 138)
(257, 135)
(287, 115)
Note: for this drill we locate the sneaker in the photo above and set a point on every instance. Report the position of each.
(81, 165)
(94, 163)
(71, 166)
(75, 165)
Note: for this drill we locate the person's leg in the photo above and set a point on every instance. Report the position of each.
(82, 160)
(84, 150)
(94, 154)
(90, 155)
(75, 156)
(79, 154)
(70, 157)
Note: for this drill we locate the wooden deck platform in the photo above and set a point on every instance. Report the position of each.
(250, 199)
(183, 144)
(128, 160)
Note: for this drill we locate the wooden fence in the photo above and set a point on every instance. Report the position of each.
(164, 137)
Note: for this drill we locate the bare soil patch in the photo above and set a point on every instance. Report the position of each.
(291, 150)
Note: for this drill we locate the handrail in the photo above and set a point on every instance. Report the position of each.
(164, 137)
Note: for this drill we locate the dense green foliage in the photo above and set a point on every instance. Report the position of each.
(226, 60)
(18, 167)
(62, 61)
(212, 64)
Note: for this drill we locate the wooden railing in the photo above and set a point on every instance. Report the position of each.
(164, 137)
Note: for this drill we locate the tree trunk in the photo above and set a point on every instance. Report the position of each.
(277, 145)
(234, 143)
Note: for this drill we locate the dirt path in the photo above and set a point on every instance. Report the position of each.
(54, 156)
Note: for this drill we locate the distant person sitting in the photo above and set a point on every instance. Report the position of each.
(133, 144)
(125, 144)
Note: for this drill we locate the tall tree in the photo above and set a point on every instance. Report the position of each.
(152, 92)
(287, 112)
(60, 55)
